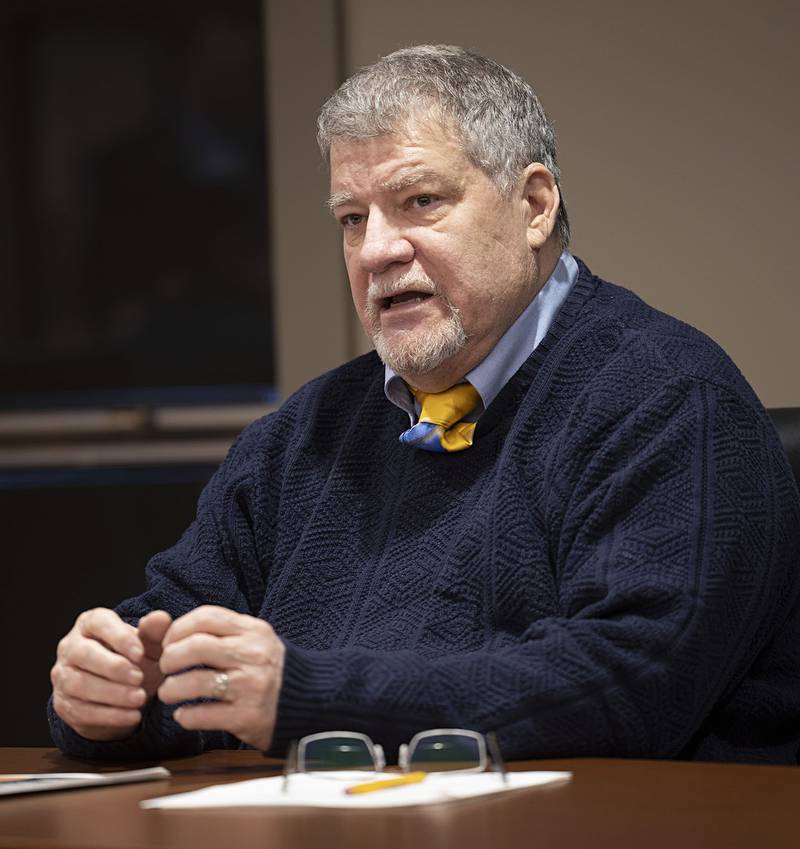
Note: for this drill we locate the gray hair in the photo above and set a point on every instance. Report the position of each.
(501, 123)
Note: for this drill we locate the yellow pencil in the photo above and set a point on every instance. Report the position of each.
(385, 783)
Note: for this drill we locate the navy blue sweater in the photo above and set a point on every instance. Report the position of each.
(611, 569)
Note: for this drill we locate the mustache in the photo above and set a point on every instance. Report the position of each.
(416, 280)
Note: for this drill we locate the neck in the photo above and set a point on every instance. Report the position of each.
(549, 256)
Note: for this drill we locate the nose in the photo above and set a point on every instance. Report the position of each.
(384, 244)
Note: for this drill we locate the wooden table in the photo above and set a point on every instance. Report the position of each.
(608, 803)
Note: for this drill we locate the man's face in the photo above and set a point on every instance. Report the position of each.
(439, 263)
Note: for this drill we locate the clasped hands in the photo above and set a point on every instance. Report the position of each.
(106, 671)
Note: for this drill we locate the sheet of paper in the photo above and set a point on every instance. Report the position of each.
(11, 785)
(329, 791)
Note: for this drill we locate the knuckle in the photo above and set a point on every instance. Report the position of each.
(257, 653)
(261, 680)
(87, 617)
(55, 675)
(63, 678)
(95, 616)
(263, 628)
(63, 707)
(119, 666)
(71, 683)
(204, 642)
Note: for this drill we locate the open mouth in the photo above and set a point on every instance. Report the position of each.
(404, 298)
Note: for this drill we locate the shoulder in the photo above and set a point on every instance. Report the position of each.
(626, 374)
(320, 402)
(639, 344)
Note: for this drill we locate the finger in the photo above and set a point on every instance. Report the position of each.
(212, 716)
(208, 619)
(152, 629)
(199, 650)
(82, 685)
(91, 656)
(79, 714)
(105, 625)
(246, 724)
(194, 684)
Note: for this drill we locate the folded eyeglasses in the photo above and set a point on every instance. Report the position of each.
(435, 751)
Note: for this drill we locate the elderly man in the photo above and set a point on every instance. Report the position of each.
(543, 508)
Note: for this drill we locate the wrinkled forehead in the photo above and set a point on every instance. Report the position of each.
(421, 150)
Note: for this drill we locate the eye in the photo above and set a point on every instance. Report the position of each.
(352, 219)
(422, 200)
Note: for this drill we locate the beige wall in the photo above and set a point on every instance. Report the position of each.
(313, 328)
(678, 130)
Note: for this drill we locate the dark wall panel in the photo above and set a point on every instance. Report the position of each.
(68, 549)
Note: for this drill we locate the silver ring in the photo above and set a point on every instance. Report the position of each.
(221, 681)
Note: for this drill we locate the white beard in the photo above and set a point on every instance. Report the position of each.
(419, 350)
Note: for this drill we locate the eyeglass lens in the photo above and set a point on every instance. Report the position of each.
(445, 752)
(337, 753)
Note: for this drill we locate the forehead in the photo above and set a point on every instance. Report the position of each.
(392, 162)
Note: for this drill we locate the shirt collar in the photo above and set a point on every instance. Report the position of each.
(513, 348)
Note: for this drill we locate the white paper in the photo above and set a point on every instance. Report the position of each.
(329, 791)
(11, 785)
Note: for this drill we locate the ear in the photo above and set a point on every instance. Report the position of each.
(541, 200)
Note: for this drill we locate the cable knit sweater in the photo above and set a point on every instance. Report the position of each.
(610, 570)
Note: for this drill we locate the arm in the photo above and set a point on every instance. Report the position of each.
(214, 562)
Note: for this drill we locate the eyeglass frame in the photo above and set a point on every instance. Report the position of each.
(375, 749)
(295, 759)
(404, 753)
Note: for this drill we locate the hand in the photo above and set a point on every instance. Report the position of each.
(106, 671)
(247, 650)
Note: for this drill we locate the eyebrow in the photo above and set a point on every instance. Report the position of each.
(338, 199)
(396, 184)
(410, 178)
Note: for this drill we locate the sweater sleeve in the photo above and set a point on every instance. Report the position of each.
(214, 562)
(674, 544)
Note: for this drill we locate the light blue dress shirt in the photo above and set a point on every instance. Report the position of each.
(514, 347)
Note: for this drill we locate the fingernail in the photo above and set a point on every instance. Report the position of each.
(135, 676)
(177, 714)
(135, 651)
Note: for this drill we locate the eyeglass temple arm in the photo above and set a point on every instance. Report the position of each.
(497, 759)
(289, 765)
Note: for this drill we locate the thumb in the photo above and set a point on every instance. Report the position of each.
(152, 629)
